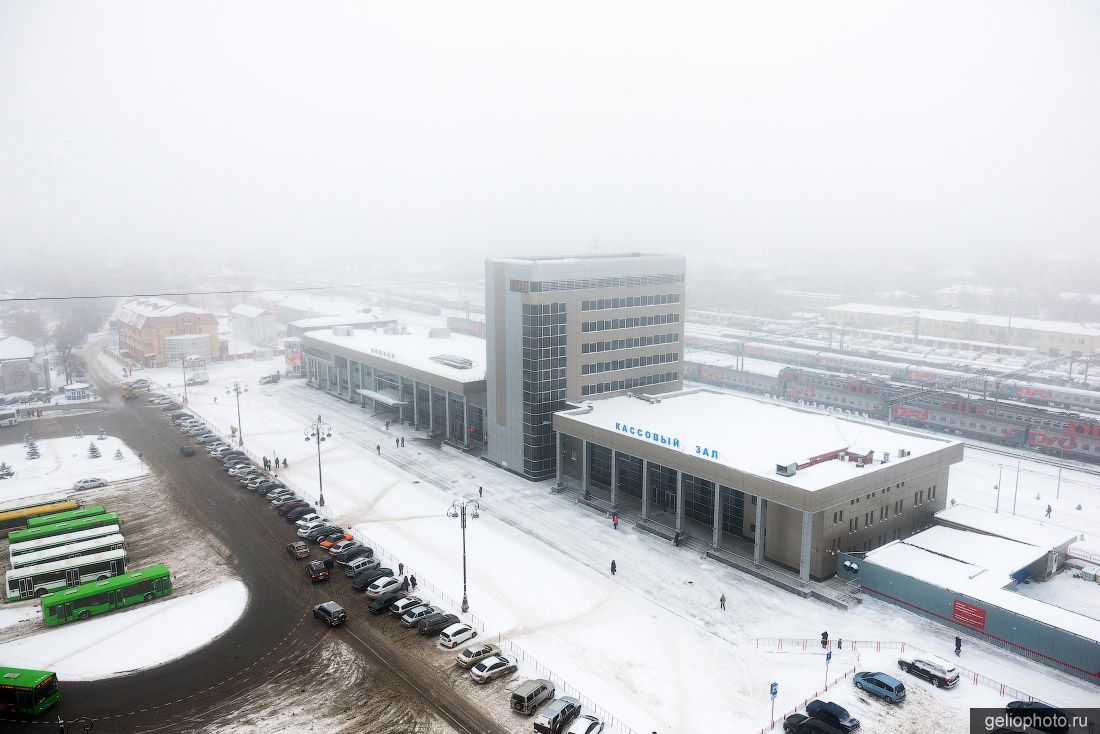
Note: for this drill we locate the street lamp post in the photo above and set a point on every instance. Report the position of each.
(458, 509)
(236, 388)
(321, 431)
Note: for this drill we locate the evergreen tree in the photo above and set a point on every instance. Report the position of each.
(5, 470)
(93, 451)
(79, 433)
(32, 451)
(118, 455)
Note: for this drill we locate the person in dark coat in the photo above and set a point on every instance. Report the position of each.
(722, 601)
(378, 448)
(958, 645)
(397, 443)
(824, 639)
(405, 584)
(480, 491)
(613, 569)
(284, 462)
(402, 442)
(412, 581)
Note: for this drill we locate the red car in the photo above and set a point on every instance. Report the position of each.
(318, 570)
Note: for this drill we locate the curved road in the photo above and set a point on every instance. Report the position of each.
(277, 627)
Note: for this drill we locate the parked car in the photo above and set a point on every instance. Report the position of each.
(364, 579)
(474, 654)
(321, 532)
(832, 713)
(317, 571)
(298, 549)
(298, 504)
(401, 606)
(187, 450)
(357, 566)
(299, 512)
(172, 405)
(330, 612)
(270, 492)
(530, 694)
(269, 379)
(233, 457)
(140, 383)
(309, 526)
(935, 670)
(884, 686)
(332, 539)
(338, 548)
(557, 715)
(414, 615)
(492, 668)
(802, 724)
(309, 519)
(383, 602)
(436, 623)
(454, 635)
(90, 483)
(286, 499)
(1048, 719)
(208, 438)
(585, 724)
(362, 552)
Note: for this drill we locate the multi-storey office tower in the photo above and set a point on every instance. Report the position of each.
(567, 329)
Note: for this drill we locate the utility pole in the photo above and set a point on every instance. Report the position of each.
(320, 431)
(1000, 470)
(1017, 492)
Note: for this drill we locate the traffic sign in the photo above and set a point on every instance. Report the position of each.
(775, 690)
(829, 656)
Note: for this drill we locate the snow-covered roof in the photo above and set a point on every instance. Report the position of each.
(249, 312)
(977, 290)
(1065, 327)
(723, 359)
(415, 349)
(1023, 530)
(135, 313)
(978, 582)
(12, 347)
(1092, 298)
(1001, 556)
(323, 322)
(753, 436)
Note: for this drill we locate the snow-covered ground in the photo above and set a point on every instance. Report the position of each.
(135, 639)
(1067, 592)
(649, 644)
(62, 461)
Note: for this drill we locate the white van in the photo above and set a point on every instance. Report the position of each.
(455, 635)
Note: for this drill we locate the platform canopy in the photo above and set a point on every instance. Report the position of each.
(387, 398)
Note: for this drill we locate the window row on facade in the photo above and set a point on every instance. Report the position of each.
(600, 304)
(540, 286)
(631, 323)
(614, 345)
(625, 364)
(614, 385)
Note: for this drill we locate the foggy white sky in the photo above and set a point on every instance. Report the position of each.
(489, 128)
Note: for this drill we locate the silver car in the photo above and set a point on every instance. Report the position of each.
(414, 615)
(474, 654)
(493, 668)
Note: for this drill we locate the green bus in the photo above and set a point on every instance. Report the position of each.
(27, 691)
(97, 597)
(72, 526)
(17, 518)
(78, 514)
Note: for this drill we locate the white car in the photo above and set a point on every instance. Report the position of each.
(585, 724)
(307, 519)
(309, 527)
(401, 606)
(453, 636)
(382, 586)
(90, 483)
(493, 668)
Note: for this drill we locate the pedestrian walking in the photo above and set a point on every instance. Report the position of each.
(378, 448)
(1048, 511)
(824, 639)
(284, 462)
(480, 491)
(387, 425)
(722, 601)
(613, 568)
(276, 461)
(958, 645)
(405, 584)
(615, 521)
(840, 644)
(397, 442)
(402, 442)
(412, 581)
(400, 568)
(215, 400)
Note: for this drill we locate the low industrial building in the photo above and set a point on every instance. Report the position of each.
(254, 325)
(965, 580)
(1053, 541)
(722, 467)
(430, 378)
(356, 321)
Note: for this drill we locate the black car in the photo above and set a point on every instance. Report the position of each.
(331, 612)
(319, 534)
(296, 504)
(832, 713)
(365, 579)
(381, 605)
(802, 724)
(298, 512)
(187, 450)
(1047, 719)
(362, 552)
(436, 623)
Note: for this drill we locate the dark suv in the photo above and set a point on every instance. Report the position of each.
(331, 612)
(366, 578)
(319, 534)
(832, 713)
(318, 570)
(802, 724)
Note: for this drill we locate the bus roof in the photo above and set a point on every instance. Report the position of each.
(43, 531)
(52, 541)
(24, 502)
(61, 506)
(57, 551)
(55, 517)
(24, 678)
(61, 565)
(95, 587)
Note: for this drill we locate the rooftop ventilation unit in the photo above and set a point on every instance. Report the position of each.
(342, 331)
(885, 457)
(786, 470)
(451, 360)
(651, 399)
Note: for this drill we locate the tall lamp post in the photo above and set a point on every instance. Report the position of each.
(458, 509)
(236, 388)
(320, 431)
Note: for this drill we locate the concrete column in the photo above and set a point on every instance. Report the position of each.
(804, 559)
(679, 501)
(614, 477)
(761, 523)
(717, 515)
(447, 413)
(416, 405)
(584, 468)
(431, 410)
(465, 422)
(645, 490)
(560, 461)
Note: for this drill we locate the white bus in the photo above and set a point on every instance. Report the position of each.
(8, 417)
(40, 544)
(72, 550)
(32, 581)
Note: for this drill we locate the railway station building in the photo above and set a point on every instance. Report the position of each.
(765, 483)
(429, 378)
